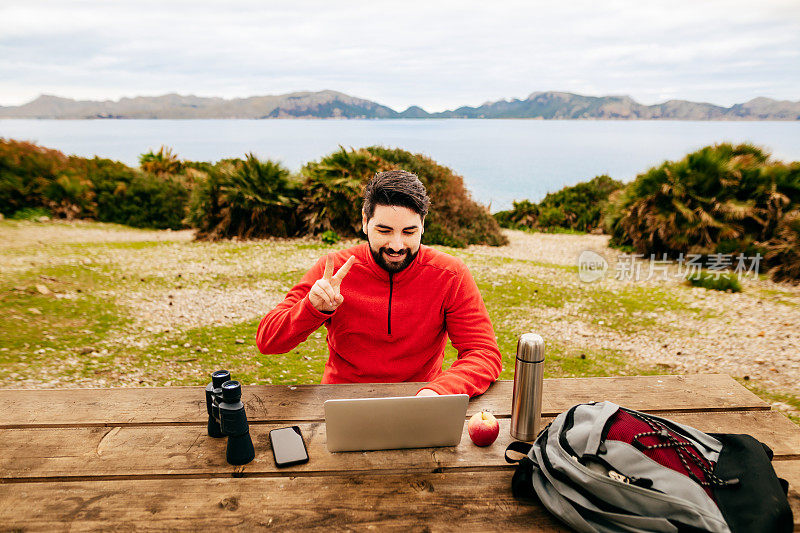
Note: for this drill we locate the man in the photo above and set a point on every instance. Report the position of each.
(390, 305)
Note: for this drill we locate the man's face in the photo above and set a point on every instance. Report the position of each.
(394, 234)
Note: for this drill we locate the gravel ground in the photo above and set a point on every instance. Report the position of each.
(31, 234)
(755, 333)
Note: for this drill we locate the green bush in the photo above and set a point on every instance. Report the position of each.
(720, 196)
(577, 208)
(31, 213)
(35, 177)
(245, 199)
(523, 215)
(330, 237)
(334, 189)
(719, 199)
(722, 281)
(783, 249)
(75, 187)
(148, 201)
(455, 219)
(163, 162)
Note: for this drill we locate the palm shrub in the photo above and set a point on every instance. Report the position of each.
(245, 199)
(334, 187)
(719, 196)
(523, 214)
(775, 191)
(455, 219)
(579, 207)
(783, 249)
(206, 202)
(160, 163)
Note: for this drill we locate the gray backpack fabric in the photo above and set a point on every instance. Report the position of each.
(594, 483)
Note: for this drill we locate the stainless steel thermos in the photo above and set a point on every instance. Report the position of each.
(526, 403)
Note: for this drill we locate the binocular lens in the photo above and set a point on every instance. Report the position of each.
(219, 377)
(231, 391)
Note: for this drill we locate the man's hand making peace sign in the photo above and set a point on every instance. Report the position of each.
(324, 294)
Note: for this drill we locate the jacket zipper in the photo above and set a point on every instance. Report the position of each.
(389, 318)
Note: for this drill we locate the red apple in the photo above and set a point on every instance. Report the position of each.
(483, 428)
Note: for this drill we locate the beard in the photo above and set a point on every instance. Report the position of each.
(393, 267)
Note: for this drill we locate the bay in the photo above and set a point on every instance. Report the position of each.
(501, 160)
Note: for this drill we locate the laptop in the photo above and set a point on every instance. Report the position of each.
(394, 423)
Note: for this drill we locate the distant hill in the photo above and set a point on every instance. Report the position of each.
(558, 105)
(322, 104)
(332, 104)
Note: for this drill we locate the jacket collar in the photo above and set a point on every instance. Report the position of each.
(409, 272)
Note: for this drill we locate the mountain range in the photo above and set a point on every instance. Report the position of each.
(336, 105)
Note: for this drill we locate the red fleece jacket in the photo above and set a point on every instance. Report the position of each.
(393, 328)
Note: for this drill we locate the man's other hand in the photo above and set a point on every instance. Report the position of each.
(427, 392)
(324, 294)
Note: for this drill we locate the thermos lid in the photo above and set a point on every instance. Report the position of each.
(530, 348)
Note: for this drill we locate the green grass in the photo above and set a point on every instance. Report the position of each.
(512, 293)
(633, 309)
(716, 282)
(90, 339)
(503, 262)
(777, 296)
(205, 349)
(771, 396)
(30, 320)
(45, 337)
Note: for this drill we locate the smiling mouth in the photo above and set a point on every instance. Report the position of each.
(394, 256)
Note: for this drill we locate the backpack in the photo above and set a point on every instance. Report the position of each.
(599, 467)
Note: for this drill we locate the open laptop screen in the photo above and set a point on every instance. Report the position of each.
(392, 423)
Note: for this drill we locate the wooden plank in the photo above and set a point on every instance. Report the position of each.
(467, 501)
(431, 502)
(278, 403)
(94, 452)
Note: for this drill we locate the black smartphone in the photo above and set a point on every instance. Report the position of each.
(288, 447)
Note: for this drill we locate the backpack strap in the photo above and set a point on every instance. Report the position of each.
(520, 447)
(522, 481)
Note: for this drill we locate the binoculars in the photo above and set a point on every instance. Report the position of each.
(226, 417)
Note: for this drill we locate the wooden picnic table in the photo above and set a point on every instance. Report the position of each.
(139, 458)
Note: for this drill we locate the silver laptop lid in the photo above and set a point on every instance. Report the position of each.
(391, 423)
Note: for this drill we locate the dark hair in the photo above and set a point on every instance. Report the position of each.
(396, 187)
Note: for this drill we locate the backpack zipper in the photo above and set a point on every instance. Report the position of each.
(652, 493)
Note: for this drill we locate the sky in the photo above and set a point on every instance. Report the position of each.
(435, 54)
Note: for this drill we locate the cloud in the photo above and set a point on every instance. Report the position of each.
(435, 54)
